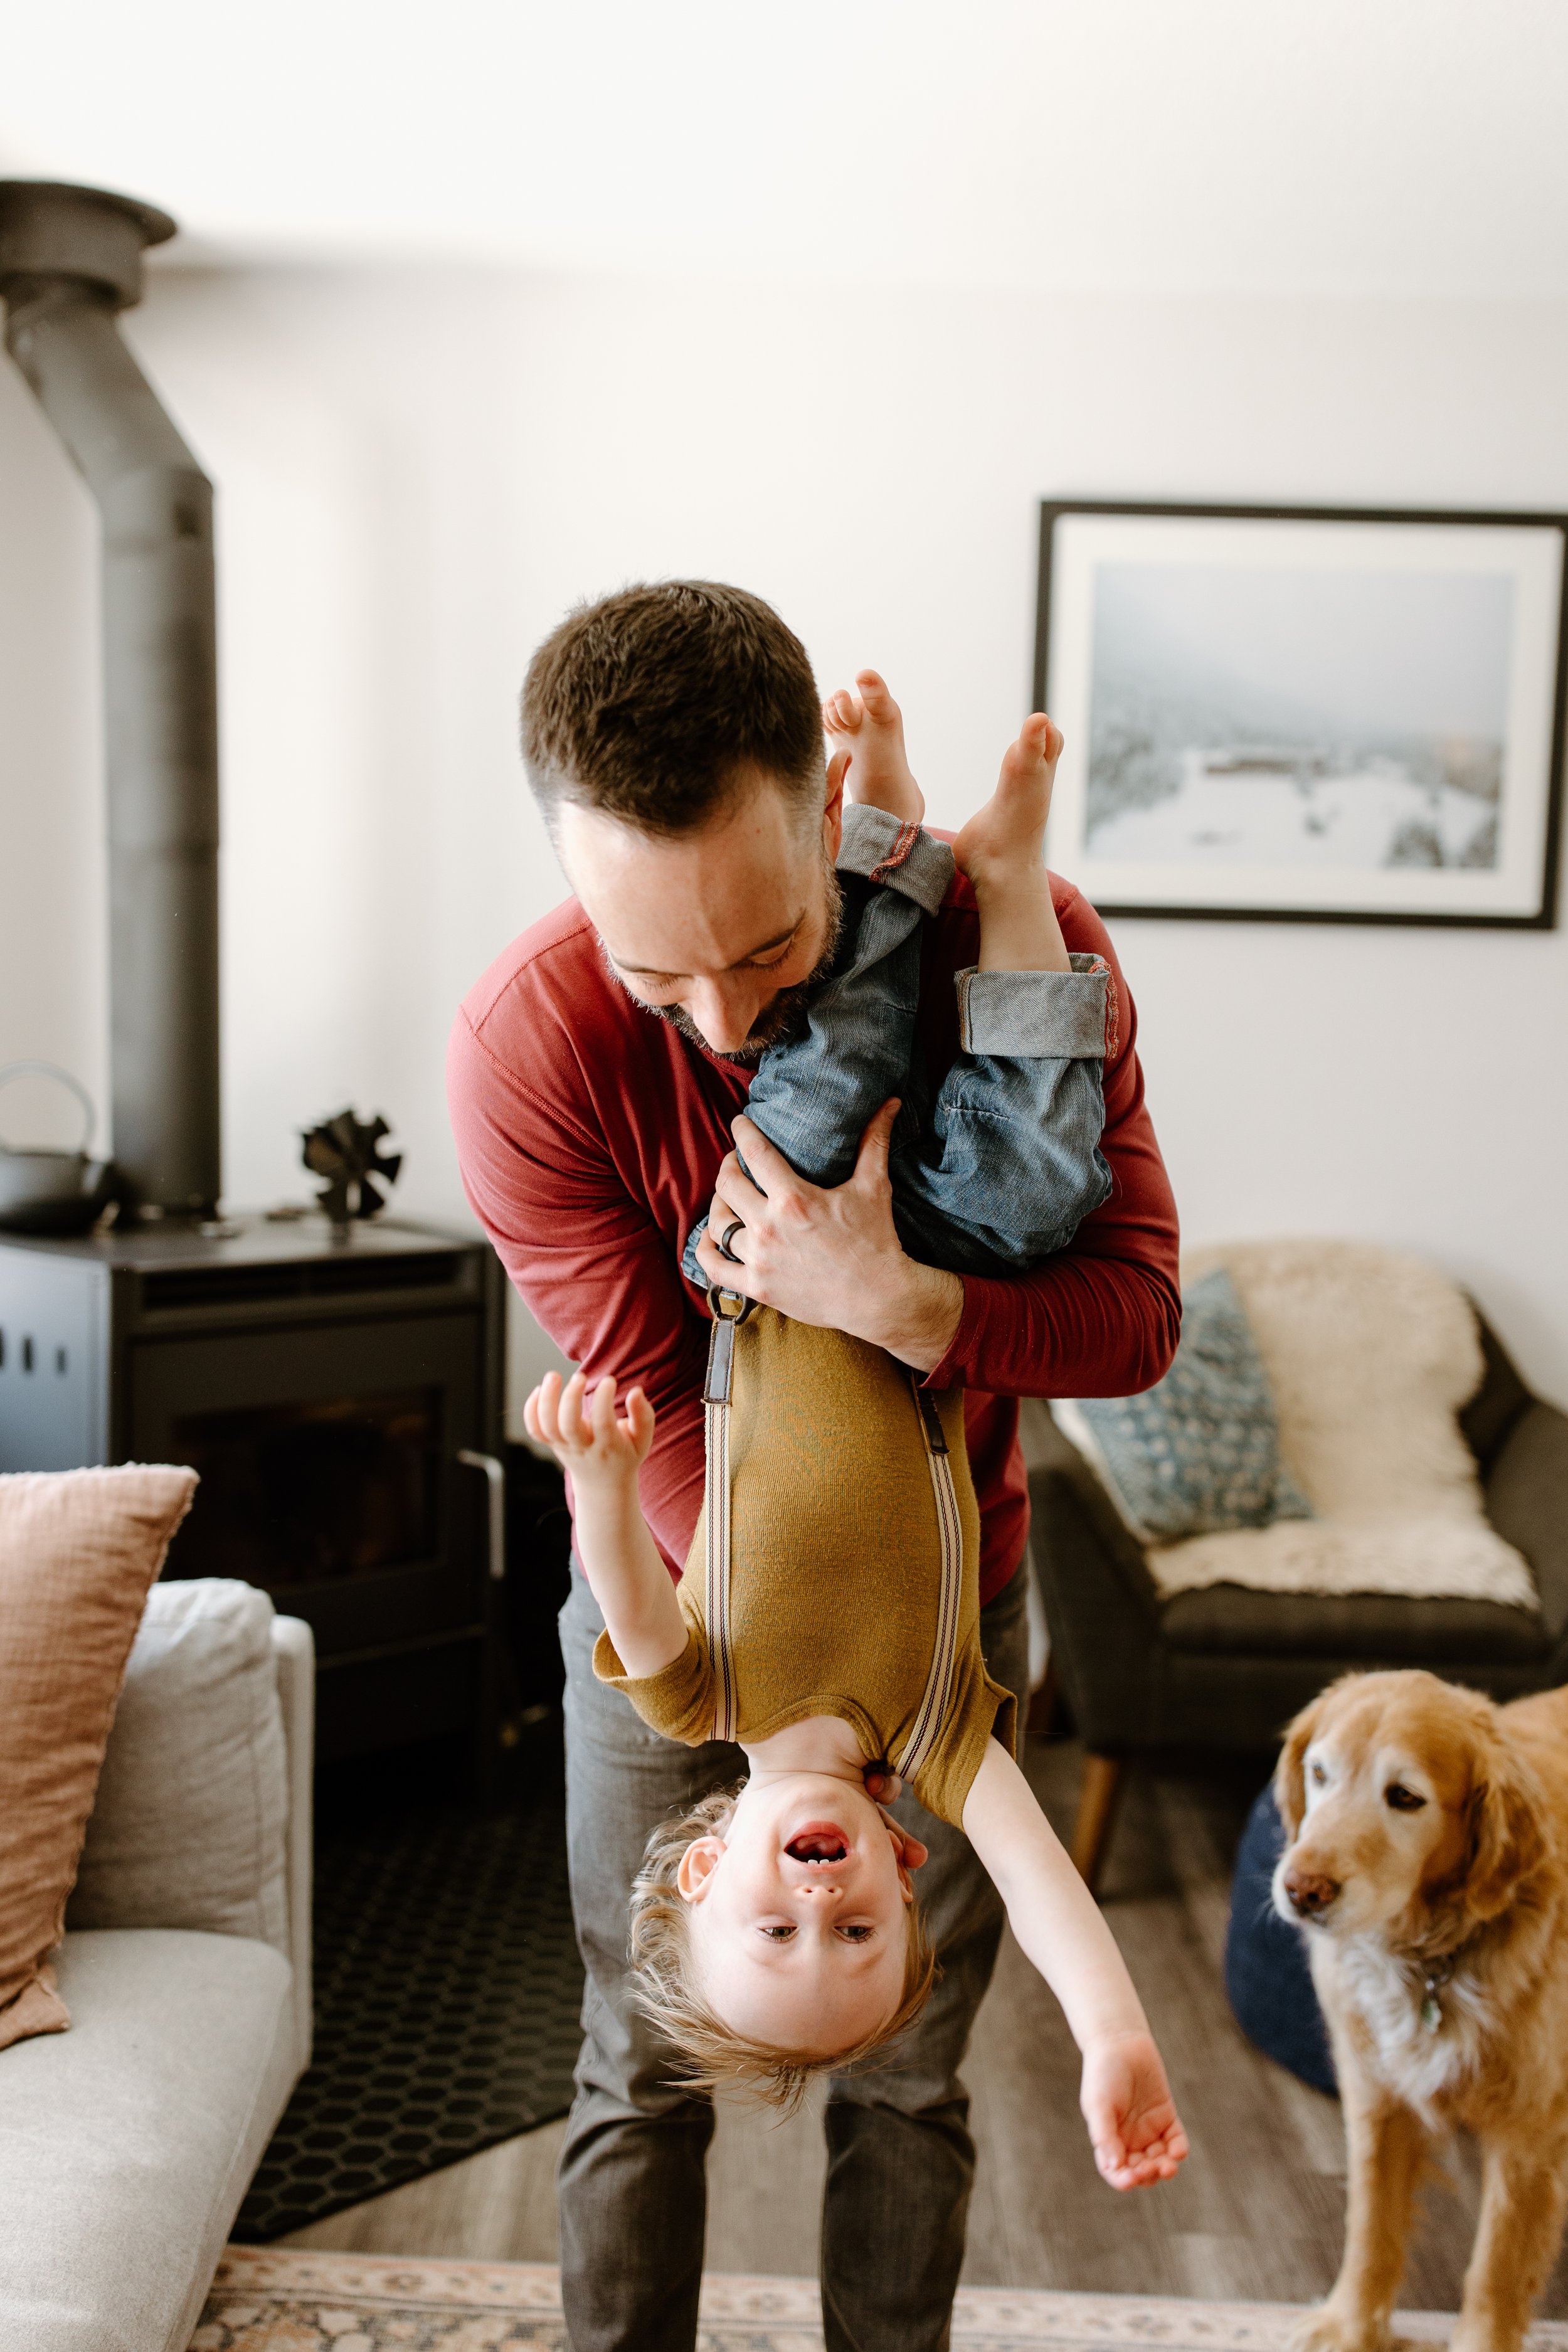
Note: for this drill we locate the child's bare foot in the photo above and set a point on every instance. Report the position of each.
(1002, 850)
(870, 727)
(1009, 832)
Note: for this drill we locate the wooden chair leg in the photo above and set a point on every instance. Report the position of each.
(1096, 1815)
(1043, 1706)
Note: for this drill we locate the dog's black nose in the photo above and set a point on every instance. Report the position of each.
(1309, 1894)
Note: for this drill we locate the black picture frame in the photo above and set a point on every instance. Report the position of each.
(1196, 892)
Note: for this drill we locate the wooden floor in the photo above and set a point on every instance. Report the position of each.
(1257, 2212)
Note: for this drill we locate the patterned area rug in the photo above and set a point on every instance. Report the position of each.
(449, 1992)
(264, 2301)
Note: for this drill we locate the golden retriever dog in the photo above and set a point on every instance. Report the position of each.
(1427, 1862)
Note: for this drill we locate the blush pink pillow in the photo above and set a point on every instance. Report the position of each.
(78, 1550)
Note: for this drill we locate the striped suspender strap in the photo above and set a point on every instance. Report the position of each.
(729, 1311)
(933, 1706)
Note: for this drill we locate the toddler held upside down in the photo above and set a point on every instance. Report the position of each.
(828, 1620)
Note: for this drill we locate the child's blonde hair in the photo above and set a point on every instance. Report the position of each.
(669, 1993)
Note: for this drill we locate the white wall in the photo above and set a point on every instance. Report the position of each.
(418, 472)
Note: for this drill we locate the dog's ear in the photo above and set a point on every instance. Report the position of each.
(1505, 1843)
(1290, 1773)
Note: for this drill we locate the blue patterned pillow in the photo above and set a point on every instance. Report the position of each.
(1198, 1452)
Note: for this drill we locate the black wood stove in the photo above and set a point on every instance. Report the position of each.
(342, 1400)
(340, 1395)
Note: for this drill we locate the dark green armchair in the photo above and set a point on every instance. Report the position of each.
(1225, 1668)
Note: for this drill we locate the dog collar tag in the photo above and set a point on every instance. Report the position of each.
(1439, 1974)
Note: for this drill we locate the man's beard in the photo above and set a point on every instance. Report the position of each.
(780, 1017)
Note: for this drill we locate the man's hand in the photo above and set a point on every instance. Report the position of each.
(832, 1256)
(1132, 2116)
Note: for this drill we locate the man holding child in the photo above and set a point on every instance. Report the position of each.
(598, 1078)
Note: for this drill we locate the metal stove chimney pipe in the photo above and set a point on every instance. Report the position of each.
(70, 260)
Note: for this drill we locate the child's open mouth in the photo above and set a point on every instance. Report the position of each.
(819, 1844)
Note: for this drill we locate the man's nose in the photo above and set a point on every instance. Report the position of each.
(726, 1010)
(1309, 1892)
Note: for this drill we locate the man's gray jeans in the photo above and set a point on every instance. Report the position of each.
(901, 2161)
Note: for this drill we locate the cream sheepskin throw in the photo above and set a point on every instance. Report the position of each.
(1370, 1354)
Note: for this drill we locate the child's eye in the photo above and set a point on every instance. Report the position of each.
(776, 1935)
(857, 1934)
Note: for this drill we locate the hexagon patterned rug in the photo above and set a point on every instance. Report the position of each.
(266, 2300)
(448, 1991)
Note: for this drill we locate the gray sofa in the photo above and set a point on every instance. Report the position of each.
(126, 2143)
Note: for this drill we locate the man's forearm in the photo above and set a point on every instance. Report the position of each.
(1080, 1325)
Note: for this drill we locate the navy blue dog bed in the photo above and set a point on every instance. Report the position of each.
(1266, 1971)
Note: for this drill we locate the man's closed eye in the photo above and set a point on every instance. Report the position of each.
(770, 963)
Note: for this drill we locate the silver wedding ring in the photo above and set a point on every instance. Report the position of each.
(736, 1225)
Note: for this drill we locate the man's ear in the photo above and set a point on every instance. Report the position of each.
(697, 1864)
(1505, 1843)
(833, 807)
(1290, 1774)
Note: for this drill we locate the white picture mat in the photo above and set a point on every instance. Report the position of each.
(1531, 556)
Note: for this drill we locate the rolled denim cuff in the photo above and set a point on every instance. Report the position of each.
(1067, 1016)
(904, 857)
(689, 1267)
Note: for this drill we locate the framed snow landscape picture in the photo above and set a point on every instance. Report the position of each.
(1306, 714)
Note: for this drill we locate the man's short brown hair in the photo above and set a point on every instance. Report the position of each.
(649, 704)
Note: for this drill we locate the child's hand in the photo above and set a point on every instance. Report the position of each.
(1132, 2116)
(595, 1441)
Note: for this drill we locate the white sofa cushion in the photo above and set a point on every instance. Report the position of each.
(125, 2144)
(189, 1826)
(1370, 1355)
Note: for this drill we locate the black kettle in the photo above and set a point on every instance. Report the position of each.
(54, 1192)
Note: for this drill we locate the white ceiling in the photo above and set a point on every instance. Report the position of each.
(1391, 147)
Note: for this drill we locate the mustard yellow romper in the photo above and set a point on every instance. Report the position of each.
(835, 1570)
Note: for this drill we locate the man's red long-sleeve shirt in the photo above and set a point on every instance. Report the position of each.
(589, 1134)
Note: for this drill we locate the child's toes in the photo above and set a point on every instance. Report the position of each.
(1041, 738)
(870, 723)
(878, 703)
(1028, 769)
